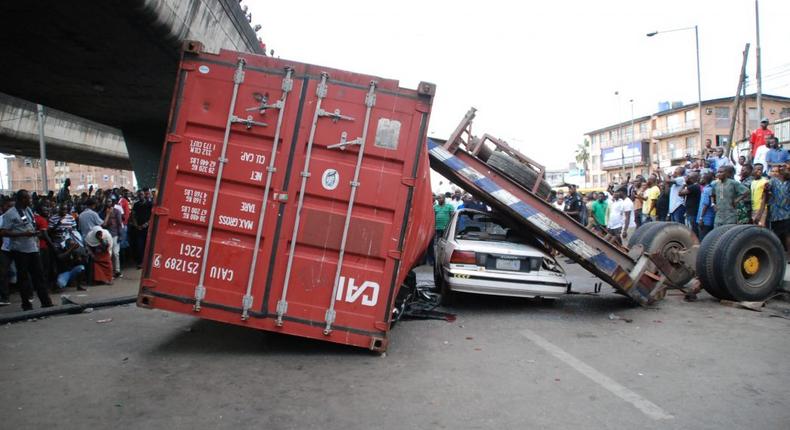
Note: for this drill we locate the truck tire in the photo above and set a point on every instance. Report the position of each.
(706, 268)
(640, 233)
(668, 236)
(520, 173)
(752, 264)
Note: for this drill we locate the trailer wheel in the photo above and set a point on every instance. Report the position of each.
(752, 264)
(640, 233)
(706, 266)
(667, 238)
(517, 171)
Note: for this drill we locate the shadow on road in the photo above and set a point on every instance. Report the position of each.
(211, 337)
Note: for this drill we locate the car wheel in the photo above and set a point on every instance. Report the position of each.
(752, 264)
(665, 238)
(706, 266)
(519, 172)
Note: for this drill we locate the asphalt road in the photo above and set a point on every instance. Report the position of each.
(504, 363)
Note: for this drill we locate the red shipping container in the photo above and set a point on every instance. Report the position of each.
(292, 198)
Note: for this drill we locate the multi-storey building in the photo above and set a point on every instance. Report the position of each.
(668, 137)
(25, 173)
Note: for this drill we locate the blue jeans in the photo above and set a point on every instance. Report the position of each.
(65, 277)
(679, 215)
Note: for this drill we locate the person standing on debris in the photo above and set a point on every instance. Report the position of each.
(759, 138)
(705, 214)
(726, 193)
(778, 203)
(692, 192)
(620, 215)
(18, 225)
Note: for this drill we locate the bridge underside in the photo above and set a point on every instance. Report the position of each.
(110, 61)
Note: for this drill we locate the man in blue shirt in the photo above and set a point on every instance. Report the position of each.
(677, 203)
(776, 154)
(719, 160)
(706, 215)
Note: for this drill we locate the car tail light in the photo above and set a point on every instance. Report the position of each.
(463, 257)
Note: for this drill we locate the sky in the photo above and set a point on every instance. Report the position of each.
(541, 74)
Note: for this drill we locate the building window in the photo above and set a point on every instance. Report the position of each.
(691, 146)
(28, 162)
(691, 118)
(784, 113)
(673, 123)
(753, 120)
(722, 117)
(643, 130)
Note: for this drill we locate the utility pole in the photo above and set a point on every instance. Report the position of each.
(736, 104)
(42, 149)
(759, 67)
(633, 138)
(699, 88)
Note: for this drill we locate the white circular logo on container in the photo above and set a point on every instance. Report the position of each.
(330, 179)
(203, 69)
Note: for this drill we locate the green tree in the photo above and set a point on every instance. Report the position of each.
(583, 156)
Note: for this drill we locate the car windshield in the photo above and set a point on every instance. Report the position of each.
(478, 226)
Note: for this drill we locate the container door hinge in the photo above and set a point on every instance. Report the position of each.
(329, 317)
(200, 294)
(282, 308)
(161, 211)
(173, 138)
(394, 254)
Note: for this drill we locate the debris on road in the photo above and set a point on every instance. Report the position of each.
(752, 306)
(105, 320)
(614, 317)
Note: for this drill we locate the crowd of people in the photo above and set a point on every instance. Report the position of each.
(53, 241)
(703, 194)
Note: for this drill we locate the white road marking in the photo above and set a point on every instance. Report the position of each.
(646, 406)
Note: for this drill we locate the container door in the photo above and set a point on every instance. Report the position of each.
(221, 183)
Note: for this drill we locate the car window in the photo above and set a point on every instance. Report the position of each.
(477, 226)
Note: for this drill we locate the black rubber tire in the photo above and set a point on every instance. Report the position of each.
(518, 172)
(666, 235)
(640, 233)
(706, 266)
(756, 244)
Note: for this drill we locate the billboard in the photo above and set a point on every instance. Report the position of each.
(629, 154)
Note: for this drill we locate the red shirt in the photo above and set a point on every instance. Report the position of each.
(41, 224)
(758, 139)
(126, 210)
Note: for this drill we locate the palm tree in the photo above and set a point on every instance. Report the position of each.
(583, 156)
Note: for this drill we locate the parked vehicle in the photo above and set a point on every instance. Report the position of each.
(480, 253)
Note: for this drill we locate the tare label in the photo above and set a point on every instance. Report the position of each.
(350, 290)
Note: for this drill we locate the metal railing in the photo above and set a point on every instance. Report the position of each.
(677, 128)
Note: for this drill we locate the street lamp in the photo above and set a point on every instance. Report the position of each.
(699, 81)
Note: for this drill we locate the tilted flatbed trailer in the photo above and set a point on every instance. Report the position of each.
(661, 255)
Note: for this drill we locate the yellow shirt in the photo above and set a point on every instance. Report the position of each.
(651, 195)
(758, 188)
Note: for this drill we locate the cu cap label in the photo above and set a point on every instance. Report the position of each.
(330, 179)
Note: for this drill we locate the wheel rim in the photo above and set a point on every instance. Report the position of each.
(756, 267)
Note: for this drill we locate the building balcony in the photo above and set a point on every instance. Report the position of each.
(687, 127)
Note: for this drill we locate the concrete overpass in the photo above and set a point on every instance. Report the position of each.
(69, 138)
(113, 62)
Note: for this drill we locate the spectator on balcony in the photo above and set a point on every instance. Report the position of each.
(759, 138)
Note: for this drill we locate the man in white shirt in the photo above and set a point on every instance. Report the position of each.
(559, 204)
(620, 216)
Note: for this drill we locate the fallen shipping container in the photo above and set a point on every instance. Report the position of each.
(292, 198)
